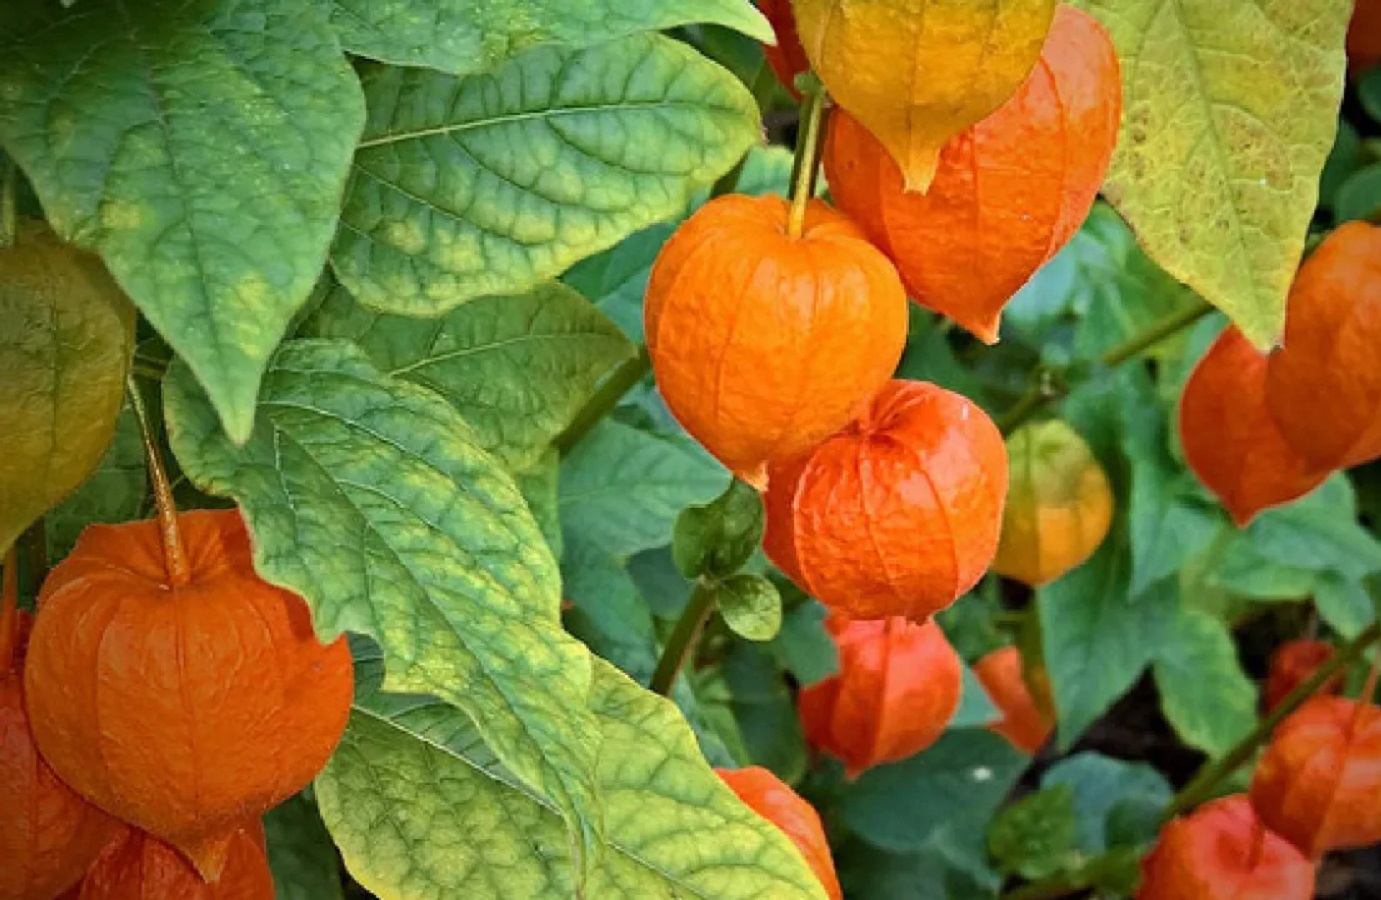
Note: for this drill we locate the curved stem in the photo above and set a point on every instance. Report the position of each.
(807, 166)
(683, 637)
(605, 399)
(174, 555)
(9, 615)
(1042, 394)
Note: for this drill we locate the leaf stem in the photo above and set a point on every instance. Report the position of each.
(9, 615)
(1045, 391)
(174, 554)
(9, 217)
(681, 644)
(807, 163)
(1203, 784)
(605, 399)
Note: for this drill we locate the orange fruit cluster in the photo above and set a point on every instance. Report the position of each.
(184, 700)
(1260, 430)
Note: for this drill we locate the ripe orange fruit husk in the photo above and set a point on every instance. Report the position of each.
(48, 834)
(1318, 782)
(1059, 505)
(187, 710)
(1324, 384)
(899, 513)
(918, 72)
(897, 688)
(1230, 438)
(1220, 851)
(1022, 723)
(788, 57)
(138, 866)
(1364, 36)
(769, 797)
(764, 344)
(1293, 663)
(1009, 192)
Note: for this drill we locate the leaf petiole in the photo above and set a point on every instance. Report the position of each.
(175, 556)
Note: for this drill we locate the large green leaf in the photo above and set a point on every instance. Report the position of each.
(518, 368)
(201, 148)
(421, 809)
(1229, 114)
(1101, 785)
(623, 488)
(370, 498)
(492, 184)
(66, 335)
(465, 38)
(1207, 698)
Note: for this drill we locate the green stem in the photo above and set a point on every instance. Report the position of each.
(605, 399)
(9, 217)
(683, 637)
(807, 162)
(1202, 786)
(1044, 392)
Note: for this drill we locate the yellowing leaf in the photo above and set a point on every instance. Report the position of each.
(1230, 108)
(66, 334)
(918, 72)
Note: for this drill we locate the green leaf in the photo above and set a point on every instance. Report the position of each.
(1207, 698)
(1035, 837)
(301, 854)
(115, 492)
(718, 538)
(961, 780)
(1318, 533)
(539, 488)
(465, 187)
(420, 808)
(1345, 158)
(803, 647)
(201, 148)
(765, 710)
(751, 607)
(1101, 785)
(518, 368)
(975, 706)
(66, 335)
(1344, 604)
(1229, 112)
(370, 498)
(870, 873)
(465, 38)
(623, 488)
(1359, 197)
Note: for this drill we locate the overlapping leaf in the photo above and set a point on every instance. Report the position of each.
(370, 498)
(518, 367)
(465, 187)
(420, 808)
(1229, 114)
(201, 148)
(463, 37)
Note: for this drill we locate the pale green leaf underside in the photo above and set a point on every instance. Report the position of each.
(467, 187)
(1229, 112)
(518, 367)
(420, 809)
(369, 497)
(201, 148)
(463, 37)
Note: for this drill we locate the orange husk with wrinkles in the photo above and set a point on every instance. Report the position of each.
(138, 866)
(1223, 851)
(1059, 504)
(1292, 664)
(788, 57)
(1230, 438)
(918, 72)
(896, 515)
(764, 344)
(1009, 192)
(768, 796)
(1022, 723)
(1323, 386)
(183, 709)
(1318, 782)
(897, 688)
(48, 834)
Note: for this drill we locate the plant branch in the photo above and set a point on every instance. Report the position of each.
(681, 644)
(174, 554)
(620, 382)
(1046, 390)
(807, 163)
(1203, 784)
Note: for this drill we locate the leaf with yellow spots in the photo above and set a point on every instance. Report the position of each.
(1229, 112)
(918, 72)
(420, 808)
